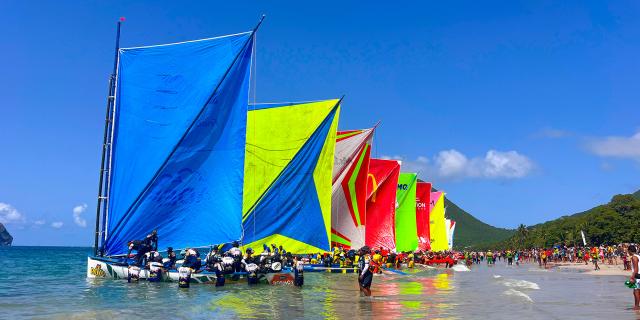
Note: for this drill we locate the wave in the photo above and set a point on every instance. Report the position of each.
(459, 267)
(521, 284)
(497, 276)
(516, 293)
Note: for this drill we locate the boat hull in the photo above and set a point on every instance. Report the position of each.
(107, 269)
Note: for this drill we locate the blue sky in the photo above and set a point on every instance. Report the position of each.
(521, 111)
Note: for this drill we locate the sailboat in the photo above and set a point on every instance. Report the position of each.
(174, 150)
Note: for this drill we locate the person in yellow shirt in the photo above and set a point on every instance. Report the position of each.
(336, 253)
(377, 258)
(411, 260)
(594, 257)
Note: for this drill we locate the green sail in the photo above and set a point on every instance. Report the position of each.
(406, 228)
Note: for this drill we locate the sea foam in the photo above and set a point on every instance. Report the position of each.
(516, 293)
(521, 284)
(459, 267)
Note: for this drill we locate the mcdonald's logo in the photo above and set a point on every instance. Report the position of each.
(375, 186)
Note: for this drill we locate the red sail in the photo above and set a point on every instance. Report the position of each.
(381, 203)
(423, 198)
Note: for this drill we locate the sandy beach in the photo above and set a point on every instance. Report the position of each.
(605, 269)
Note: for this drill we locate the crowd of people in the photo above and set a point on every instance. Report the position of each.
(229, 259)
(597, 255)
(224, 259)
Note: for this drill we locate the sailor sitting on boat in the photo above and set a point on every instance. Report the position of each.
(266, 250)
(153, 256)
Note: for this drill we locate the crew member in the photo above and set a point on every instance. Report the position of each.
(236, 254)
(141, 252)
(170, 261)
(192, 259)
(365, 274)
(298, 272)
(377, 258)
(248, 259)
(151, 240)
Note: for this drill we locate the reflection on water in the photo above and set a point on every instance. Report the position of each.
(56, 276)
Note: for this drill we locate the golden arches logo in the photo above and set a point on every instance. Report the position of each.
(375, 186)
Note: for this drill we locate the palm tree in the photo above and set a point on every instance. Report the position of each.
(522, 233)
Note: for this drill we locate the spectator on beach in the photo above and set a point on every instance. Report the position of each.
(635, 278)
(594, 257)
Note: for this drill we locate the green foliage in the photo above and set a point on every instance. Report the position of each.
(471, 232)
(615, 222)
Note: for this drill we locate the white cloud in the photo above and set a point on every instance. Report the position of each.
(616, 147)
(508, 164)
(57, 224)
(77, 215)
(452, 165)
(9, 214)
(39, 222)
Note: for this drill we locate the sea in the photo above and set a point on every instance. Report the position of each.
(51, 283)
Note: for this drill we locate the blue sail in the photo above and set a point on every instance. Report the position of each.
(179, 143)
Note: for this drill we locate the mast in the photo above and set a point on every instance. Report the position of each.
(106, 147)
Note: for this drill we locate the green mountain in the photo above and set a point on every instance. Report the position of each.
(471, 232)
(615, 222)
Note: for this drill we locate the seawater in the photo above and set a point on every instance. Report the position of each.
(50, 282)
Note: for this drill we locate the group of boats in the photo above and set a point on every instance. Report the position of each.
(186, 153)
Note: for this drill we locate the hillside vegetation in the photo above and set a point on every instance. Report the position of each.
(615, 222)
(471, 232)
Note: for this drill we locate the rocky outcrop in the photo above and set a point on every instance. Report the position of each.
(5, 237)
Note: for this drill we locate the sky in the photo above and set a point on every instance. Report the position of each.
(522, 111)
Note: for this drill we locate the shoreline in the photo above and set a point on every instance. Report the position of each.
(605, 269)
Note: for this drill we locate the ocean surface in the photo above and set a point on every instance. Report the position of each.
(50, 282)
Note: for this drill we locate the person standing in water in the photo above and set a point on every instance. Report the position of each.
(635, 277)
(365, 276)
(509, 258)
(594, 257)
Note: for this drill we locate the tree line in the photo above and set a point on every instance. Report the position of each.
(615, 222)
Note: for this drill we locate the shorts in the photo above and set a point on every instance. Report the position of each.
(366, 280)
